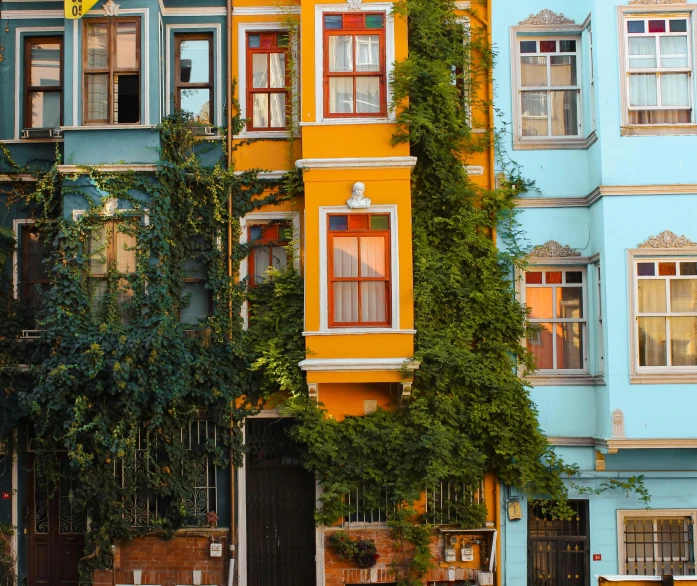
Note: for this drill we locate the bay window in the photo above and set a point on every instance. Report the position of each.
(267, 80)
(194, 75)
(269, 242)
(43, 82)
(556, 298)
(359, 270)
(354, 65)
(111, 65)
(658, 63)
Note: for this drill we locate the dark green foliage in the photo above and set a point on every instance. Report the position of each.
(361, 551)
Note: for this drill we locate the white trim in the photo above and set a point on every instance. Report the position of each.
(262, 218)
(644, 578)
(346, 121)
(16, 225)
(76, 72)
(359, 331)
(324, 211)
(218, 81)
(31, 14)
(264, 10)
(14, 540)
(354, 364)
(144, 214)
(19, 56)
(320, 9)
(358, 163)
(69, 169)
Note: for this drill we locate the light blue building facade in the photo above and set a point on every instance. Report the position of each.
(597, 107)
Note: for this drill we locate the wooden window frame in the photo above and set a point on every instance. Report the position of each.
(269, 242)
(110, 70)
(179, 85)
(387, 279)
(28, 88)
(251, 90)
(382, 74)
(27, 284)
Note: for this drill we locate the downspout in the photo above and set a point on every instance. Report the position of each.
(499, 526)
(230, 97)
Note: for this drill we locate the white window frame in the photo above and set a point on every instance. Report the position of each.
(557, 375)
(324, 211)
(625, 13)
(600, 344)
(655, 374)
(642, 514)
(320, 9)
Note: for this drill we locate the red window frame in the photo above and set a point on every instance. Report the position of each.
(350, 29)
(269, 44)
(354, 219)
(270, 237)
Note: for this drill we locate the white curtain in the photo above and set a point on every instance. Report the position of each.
(340, 53)
(675, 89)
(368, 53)
(345, 266)
(673, 51)
(278, 69)
(643, 89)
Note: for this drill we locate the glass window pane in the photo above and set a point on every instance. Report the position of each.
(539, 300)
(635, 26)
(262, 262)
(255, 232)
(333, 21)
(533, 71)
(195, 303)
(382, 223)
(368, 95)
(652, 341)
(373, 307)
(278, 70)
(197, 102)
(675, 89)
(97, 250)
(666, 269)
(282, 40)
(688, 268)
(97, 96)
(367, 53)
(683, 341)
(346, 302)
(565, 113)
(260, 115)
(548, 46)
(125, 253)
(279, 258)
(646, 269)
(643, 89)
(534, 114)
(96, 46)
(345, 251)
(683, 295)
(678, 26)
(567, 46)
(340, 53)
(563, 69)
(652, 296)
(35, 253)
(569, 346)
(373, 256)
(528, 46)
(285, 233)
(124, 295)
(374, 20)
(540, 344)
(260, 70)
(254, 41)
(642, 52)
(45, 109)
(553, 277)
(574, 277)
(126, 98)
(338, 222)
(341, 95)
(657, 26)
(194, 60)
(278, 110)
(126, 57)
(570, 302)
(673, 51)
(100, 291)
(45, 64)
(533, 278)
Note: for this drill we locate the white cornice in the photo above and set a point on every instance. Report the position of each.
(31, 14)
(19, 178)
(353, 364)
(358, 163)
(264, 10)
(70, 169)
(576, 442)
(604, 191)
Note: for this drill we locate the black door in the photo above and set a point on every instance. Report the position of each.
(280, 508)
(558, 551)
(55, 531)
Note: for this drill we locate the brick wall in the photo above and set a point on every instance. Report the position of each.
(168, 562)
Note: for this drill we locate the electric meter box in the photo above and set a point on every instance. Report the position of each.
(486, 579)
(216, 550)
(450, 555)
(467, 554)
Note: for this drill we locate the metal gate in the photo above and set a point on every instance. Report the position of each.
(280, 508)
(558, 551)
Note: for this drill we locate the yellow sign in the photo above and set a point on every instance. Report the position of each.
(78, 8)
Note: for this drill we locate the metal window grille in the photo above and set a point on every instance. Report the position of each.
(204, 492)
(140, 507)
(444, 502)
(362, 511)
(659, 546)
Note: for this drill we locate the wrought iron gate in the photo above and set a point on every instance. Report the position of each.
(558, 551)
(280, 508)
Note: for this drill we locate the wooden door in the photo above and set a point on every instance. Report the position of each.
(55, 531)
(280, 508)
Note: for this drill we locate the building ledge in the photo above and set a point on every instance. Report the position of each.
(358, 163)
(353, 364)
(552, 144)
(567, 380)
(663, 379)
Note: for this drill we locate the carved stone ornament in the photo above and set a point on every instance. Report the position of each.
(111, 8)
(546, 16)
(617, 424)
(657, 1)
(354, 4)
(358, 200)
(552, 249)
(111, 204)
(667, 239)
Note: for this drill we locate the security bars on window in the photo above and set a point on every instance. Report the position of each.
(659, 546)
(444, 501)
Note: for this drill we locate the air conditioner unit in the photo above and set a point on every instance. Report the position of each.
(202, 130)
(41, 133)
(30, 334)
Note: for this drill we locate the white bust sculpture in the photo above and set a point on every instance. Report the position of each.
(111, 205)
(358, 200)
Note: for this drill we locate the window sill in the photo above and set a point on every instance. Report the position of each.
(659, 130)
(663, 378)
(565, 380)
(344, 121)
(111, 127)
(277, 134)
(521, 144)
(362, 331)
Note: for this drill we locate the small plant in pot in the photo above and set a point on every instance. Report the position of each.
(362, 551)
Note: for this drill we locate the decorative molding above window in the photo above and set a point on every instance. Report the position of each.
(657, 1)
(553, 249)
(111, 8)
(354, 4)
(667, 239)
(546, 16)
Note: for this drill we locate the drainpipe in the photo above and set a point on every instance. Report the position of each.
(499, 526)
